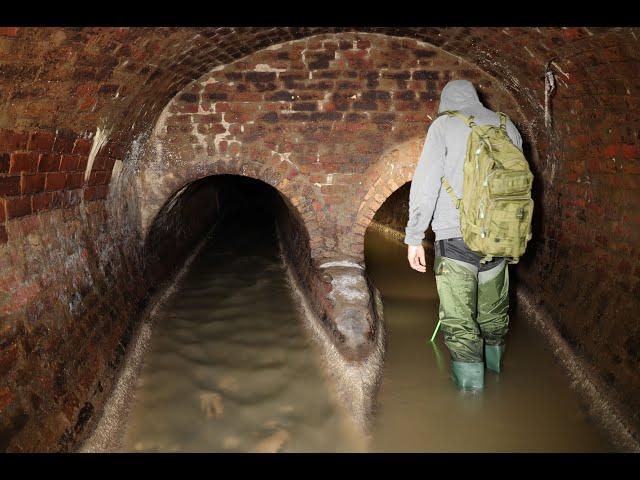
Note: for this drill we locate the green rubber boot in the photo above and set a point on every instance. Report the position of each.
(468, 375)
(493, 357)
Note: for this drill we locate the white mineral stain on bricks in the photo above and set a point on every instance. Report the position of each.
(98, 141)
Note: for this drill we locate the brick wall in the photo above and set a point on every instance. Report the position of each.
(42, 171)
(64, 253)
(340, 119)
(585, 262)
(66, 286)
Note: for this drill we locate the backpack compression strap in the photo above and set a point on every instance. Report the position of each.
(470, 226)
(503, 120)
(449, 189)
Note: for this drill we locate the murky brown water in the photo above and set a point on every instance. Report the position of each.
(527, 408)
(229, 366)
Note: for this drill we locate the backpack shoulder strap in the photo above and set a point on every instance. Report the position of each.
(503, 120)
(468, 120)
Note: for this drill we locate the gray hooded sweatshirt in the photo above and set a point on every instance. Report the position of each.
(443, 155)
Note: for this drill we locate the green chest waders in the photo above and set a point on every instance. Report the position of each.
(473, 310)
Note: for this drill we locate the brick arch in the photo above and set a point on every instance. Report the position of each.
(282, 176)
(394, 168)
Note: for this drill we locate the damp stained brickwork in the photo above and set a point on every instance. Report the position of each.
(321, 112)
(584, 266)
(69, 262)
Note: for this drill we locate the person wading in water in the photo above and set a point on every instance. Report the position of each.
(473, 287)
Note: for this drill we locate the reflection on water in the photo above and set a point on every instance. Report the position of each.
(229, 366)
(527, 408)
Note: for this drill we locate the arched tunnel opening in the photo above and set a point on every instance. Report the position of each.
(137, 162)
(198, 207)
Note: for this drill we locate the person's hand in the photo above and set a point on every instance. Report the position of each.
(416, 258)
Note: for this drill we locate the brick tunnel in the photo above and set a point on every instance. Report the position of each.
(114, 141)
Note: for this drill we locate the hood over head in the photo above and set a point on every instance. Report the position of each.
(458, 94)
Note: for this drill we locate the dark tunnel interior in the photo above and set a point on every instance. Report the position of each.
(196, 209)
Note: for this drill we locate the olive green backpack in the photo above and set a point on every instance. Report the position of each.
(496, 205)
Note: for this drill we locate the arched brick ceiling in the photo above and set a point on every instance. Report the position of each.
(75, 78)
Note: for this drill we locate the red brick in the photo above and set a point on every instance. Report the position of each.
(43, 103)
(10, 186)
(40, 141)
(245, 97)
(55, 181)
(82, 163)
(188, 108)
(10, 140)
(64, 142)
(74, 180)
(82, 146)
(49, 162)
(9, 31)
(33, 183)
(100, 161)
(69, 163)
(18, 207)
(23, 162)
(5, 160)
(97, 192)
(222, 107)
(630, 151)
(41, 201)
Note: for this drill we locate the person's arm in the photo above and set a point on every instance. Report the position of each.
(425, 185)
